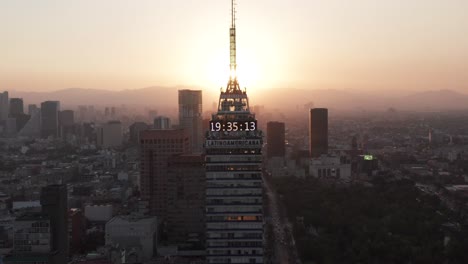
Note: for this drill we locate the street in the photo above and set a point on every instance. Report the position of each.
(284, 250)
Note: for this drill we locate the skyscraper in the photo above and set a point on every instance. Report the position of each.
(276, 139)
(66, 123)
(135, 130)
(318, 132)
(4, 106)
(234, 216)
(66, 118)
(50, 118)
(156, 146)
(32, 128)
(16, 107)
(190, 117)
(55, 204)
(32, 109)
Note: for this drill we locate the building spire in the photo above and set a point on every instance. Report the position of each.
(233, 85)
(233, 14)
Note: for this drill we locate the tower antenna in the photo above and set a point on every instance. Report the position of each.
(233, 85)
(233, 14)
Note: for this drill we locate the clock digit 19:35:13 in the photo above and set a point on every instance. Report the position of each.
(233, 125)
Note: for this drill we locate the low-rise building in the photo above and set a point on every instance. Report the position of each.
(330, 166)
(130, 232)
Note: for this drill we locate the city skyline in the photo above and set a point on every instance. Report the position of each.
(364, 45)
(169, 174)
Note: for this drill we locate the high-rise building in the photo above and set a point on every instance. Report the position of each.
(50, 118)
(276, 139)
(162, 122)
(32, 128)
(234, 206)
(135, 130)
(32, 109)
(17, 119)
(190, 117)
(156, 146)
(66, 123)
(54, 202)
(186, 198)
(66, 118)
(16, 107)
(4, 106)
(109, 135)
(318, 132)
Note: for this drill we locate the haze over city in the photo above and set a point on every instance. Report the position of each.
(127, 135)
(378, 47)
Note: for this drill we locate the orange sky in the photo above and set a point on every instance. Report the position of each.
(375, 45)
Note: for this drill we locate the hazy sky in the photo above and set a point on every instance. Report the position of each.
(377, 45)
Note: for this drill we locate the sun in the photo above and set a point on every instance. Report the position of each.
(218, 72)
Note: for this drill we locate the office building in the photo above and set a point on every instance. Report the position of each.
(330, 166)
(318, 132)
(234, 206)
(156, 146)
(135, 130)
(4, 106)
(128, 232)
(32, 128)
(66, 118)
(99, 213)
(50, 119)
(162, 122)
(190, 117)
(66, 123)
(76, 229)
(32, 109)
(16, 107)
(32, 240)
(276, 146)
(186, 198)
(42, 237)
(109, 135)
(10, 127)
(54, 202)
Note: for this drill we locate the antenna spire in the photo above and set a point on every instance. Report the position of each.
(233, 14)
(233, 85)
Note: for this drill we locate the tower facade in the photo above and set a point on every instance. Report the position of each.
(234, 206)
(276, 139)
(190, 117)
(318, 132)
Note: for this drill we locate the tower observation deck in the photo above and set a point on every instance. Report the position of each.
(234, 206)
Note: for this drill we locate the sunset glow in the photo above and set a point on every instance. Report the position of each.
(364, 45)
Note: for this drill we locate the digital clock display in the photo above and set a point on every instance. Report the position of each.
(233, 126)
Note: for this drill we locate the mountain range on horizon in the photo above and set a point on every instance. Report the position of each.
(280, 98)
